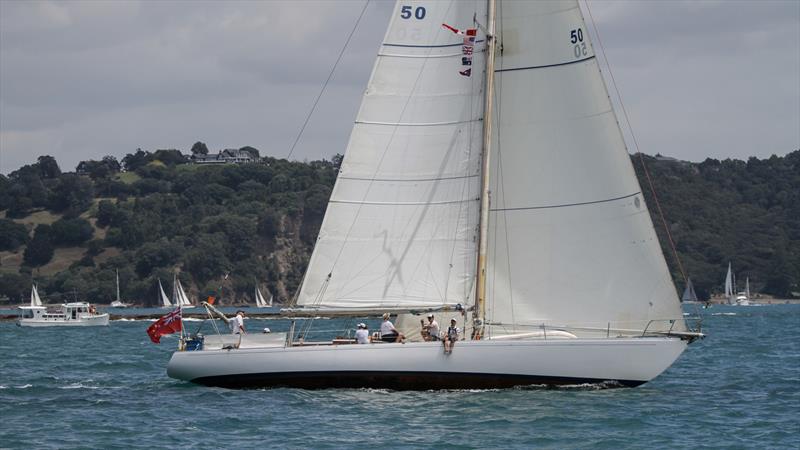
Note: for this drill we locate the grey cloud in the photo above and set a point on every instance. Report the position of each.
(82, 79)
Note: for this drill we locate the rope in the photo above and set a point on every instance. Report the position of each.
(638, 152)
(324, 86)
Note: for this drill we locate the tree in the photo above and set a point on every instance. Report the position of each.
(40, 249)
(48, 167)
(105, 212)
(71, 232)
(12, 234)
(199, 148)
(72, 192)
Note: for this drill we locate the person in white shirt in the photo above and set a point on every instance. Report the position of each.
(388, 332)
(430, 331)
(362, 334)
(237, 323)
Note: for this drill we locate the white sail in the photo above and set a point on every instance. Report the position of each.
(179, 296)
(164, 299)
(747, 287)
(182, 295)
(260, 302)
(35, 300)
(729, 284)
(400, 227)
(570, 238)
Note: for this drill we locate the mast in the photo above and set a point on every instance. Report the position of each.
(117, 284)
(480, 297)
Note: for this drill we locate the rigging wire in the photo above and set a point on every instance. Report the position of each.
(638, 151)
(325, 85)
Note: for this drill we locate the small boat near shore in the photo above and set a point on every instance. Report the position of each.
(77, 314)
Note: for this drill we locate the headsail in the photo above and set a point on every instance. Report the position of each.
(400, 227)
(570, 238)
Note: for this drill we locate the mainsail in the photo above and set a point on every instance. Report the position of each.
(400, 227)
(570, 238)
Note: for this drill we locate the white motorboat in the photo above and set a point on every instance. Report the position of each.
(485, 169)
(77, 314)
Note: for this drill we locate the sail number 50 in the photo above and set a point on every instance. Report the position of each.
(576, 38)
(406, 12)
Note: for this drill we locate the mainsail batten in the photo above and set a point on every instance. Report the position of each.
(400, 228)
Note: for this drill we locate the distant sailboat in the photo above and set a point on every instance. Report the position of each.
(742, 298)
(163, 296)
(118, 302)
(688, 294)
(35, 300)
(179, 296)
(260, 302)
(729, 286)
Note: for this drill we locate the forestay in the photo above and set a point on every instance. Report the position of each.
(570, 238)
(400, 228)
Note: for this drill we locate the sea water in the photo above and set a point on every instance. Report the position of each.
(105, 387)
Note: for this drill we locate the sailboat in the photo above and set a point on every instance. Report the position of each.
(260, 302)
(688, 294)
(486, 180)
(118, 303)
(729, 290)
(179, 297)
(743, 298)
(35, 299)
(165, 303)
(740, 299)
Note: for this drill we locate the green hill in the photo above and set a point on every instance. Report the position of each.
(155, 214)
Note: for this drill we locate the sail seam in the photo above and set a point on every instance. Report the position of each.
(461, 177)
(417, 124)
(566, 204)
(546, 65)
(395, 55)
(428, 46)
(444, 202)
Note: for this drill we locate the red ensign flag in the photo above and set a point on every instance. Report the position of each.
(171, 323)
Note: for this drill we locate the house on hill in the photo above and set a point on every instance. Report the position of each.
(227, 156)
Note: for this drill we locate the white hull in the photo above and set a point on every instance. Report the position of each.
(97, 320)
(423, 365)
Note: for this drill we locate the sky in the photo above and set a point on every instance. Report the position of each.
(84, 79)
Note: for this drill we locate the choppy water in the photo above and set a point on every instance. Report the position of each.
(106, 387)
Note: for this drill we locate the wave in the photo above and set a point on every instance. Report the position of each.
(723, 314)
(24, 386)
(78, 386)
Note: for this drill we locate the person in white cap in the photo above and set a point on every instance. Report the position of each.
(430, 331)
(451, 336)
(388, 332)
(362, 334)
